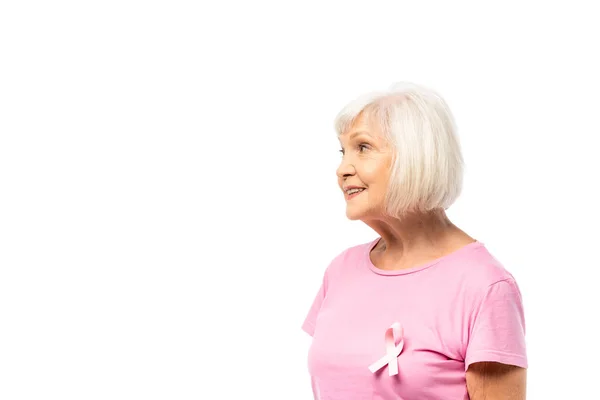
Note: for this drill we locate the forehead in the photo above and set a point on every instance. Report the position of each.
(362, 125)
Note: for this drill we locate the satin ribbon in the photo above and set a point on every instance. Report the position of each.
(393, 334)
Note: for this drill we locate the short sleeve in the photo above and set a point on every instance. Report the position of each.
(497, 332)
(310, 321)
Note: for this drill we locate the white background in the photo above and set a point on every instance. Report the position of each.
(168, 202)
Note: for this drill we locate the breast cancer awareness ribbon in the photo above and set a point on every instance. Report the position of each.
(393, 334)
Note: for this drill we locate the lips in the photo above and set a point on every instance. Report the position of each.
(354, 191)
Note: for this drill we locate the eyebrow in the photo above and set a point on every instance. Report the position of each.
(358, 133)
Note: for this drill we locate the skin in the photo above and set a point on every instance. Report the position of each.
(495, 381)
(411, 240)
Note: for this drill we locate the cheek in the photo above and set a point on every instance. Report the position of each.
(377, 174)
(379, 184)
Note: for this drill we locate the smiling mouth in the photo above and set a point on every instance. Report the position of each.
(353, 193)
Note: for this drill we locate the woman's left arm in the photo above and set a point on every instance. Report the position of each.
(496, 381)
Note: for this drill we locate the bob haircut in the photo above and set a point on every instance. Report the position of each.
(427, 168)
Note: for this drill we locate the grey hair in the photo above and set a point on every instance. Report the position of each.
(427, 171)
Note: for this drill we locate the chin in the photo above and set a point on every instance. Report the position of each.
(364, 213)
(354, 215)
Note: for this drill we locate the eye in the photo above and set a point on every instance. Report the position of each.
(341, 151)
(363, 147)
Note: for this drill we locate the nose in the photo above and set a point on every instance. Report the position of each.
(345, 169)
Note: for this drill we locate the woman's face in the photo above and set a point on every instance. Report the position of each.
(364, 172)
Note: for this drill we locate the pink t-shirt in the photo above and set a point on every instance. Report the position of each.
(446, 314)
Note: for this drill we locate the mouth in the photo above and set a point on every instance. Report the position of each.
(351, 193)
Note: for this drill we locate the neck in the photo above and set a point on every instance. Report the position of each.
(416, 237)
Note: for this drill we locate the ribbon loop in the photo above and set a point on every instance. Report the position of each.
(393, 334)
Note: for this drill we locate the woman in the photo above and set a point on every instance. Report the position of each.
(424, 311)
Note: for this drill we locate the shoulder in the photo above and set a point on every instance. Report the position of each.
(479, 268)
(349, 256)
(477, 278)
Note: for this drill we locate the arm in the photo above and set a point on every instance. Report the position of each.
(496, 381)
(496, 357)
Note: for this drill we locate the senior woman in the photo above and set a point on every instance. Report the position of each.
(423, 311)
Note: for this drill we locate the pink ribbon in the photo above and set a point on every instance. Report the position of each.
(393, 334)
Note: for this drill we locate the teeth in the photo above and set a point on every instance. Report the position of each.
(352, 191)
